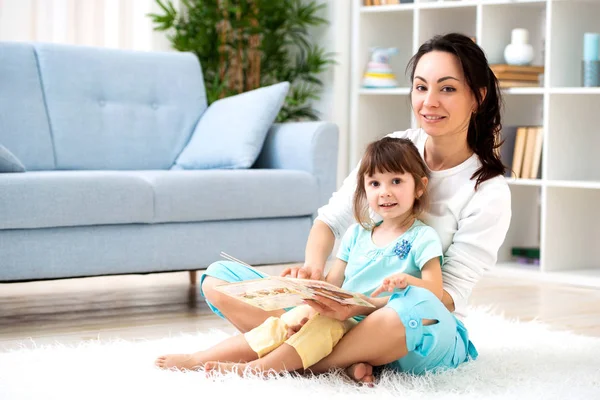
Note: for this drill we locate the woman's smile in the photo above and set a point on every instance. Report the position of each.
(432, 118)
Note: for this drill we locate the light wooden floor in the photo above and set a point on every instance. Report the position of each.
(158, 305)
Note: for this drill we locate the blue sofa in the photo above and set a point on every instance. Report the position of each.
(98, 131)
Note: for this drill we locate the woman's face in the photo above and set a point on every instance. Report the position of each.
(441, 99)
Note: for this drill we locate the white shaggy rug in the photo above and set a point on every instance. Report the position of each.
(517, 361)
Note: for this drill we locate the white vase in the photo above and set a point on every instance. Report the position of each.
(519, 51)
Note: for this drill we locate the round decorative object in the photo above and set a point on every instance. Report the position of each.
(519, 51)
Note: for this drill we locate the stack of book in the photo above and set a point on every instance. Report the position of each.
(517, 75)
(384, 2)
(526, 255)
(521, 151)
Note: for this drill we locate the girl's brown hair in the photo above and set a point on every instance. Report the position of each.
(390, 155)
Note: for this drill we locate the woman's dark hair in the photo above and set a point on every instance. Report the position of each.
(390, 155)
(483, 135)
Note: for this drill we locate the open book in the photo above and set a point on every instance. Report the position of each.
(276, 292)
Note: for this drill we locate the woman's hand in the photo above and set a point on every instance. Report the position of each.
(396, 281)
(304, 272)
(333, 309)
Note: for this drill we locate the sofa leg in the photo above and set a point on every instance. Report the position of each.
(192, 277)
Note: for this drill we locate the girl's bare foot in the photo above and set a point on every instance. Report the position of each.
(225, 367)
(361, 372)
(178, 361)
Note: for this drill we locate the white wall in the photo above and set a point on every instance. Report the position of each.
(334, 104)
(124, 24)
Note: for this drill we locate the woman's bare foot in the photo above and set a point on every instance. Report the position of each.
(178, 361)
(361, 372)
(225, 367)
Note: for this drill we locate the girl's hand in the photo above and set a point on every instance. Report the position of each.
(333, 309)
(397, 281)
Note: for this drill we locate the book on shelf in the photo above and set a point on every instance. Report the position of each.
(505, 84)
(508, 137)
(521, 151)
(522, 69)
(276, 292)
(517, 75)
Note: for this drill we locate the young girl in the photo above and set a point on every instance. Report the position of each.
(391, 182)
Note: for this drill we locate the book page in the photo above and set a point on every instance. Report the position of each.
(275, 293)
(312, 288)
(267, 293)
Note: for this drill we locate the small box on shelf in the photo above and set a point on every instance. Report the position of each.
(526, 255)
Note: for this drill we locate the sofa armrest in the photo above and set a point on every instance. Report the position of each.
(306, 146)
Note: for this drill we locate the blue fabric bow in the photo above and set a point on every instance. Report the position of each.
(402, 248)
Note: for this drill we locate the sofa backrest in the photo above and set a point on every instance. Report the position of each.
(24, 128)
(112, 109)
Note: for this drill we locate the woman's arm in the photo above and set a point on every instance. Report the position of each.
(482, 227)
(318, 248)
(337, 272)
(333, 220)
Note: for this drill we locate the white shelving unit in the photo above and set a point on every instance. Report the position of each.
(559, 213)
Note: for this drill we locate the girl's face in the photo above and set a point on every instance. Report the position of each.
(391, 195)
(441, 99)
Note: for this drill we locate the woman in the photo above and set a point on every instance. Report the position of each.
(456, 101)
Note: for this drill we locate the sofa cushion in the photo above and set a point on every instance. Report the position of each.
(119, 109)
(232, 131)
(8, 161)
(210, 195)
(24, 125)
(72, 198)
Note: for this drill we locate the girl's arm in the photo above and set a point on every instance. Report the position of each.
(332, 308)
(431, 279)
(341, 312)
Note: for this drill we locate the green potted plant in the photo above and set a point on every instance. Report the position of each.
(246, 44)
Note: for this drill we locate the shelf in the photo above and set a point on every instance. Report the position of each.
(573, 184)
(558, 213)
(387, 8)
(554, 183)
(524, 182)
(512, 2)
(580, 277)
(394, 91)
(569, 21)
(435, 20)
(523, 90)
(575, 90)
(447, 4)
(573, 140)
